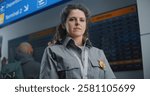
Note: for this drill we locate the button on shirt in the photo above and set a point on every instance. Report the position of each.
(68, 61)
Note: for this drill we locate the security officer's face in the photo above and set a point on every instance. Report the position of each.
(76, 23)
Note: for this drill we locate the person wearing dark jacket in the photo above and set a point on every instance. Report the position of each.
(30, 67)
(11, 70)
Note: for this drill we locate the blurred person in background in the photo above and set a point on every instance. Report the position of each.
(30, 67)
(11, 70)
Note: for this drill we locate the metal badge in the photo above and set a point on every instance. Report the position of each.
(102, 65)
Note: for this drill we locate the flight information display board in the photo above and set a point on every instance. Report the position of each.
(117, 33)
(12, 10)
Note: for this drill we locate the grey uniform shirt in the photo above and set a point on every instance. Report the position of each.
(67, 61)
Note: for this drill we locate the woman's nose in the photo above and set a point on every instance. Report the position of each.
(77, 22)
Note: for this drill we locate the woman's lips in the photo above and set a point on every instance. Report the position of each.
(77, 28)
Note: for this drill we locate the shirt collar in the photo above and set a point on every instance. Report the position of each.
(69, 41)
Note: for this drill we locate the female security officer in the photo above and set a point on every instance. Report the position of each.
(71, 56)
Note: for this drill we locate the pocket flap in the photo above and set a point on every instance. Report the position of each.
(67, 64)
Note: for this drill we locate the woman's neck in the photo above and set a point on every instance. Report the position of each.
(78, 41)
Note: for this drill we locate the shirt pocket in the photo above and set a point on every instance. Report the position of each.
(68, 68)
(96, 71)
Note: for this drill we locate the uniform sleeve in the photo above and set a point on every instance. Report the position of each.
(48, 66)
(108, 71)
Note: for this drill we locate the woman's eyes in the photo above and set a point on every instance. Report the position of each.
(74, 19)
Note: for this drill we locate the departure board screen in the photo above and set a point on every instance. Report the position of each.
(117, 33)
